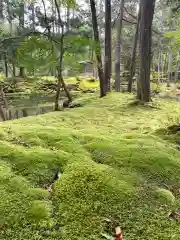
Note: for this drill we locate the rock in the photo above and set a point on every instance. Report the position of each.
(89, 91)
(75, 105)
(174, 129)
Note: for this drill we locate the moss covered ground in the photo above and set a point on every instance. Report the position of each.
(114, 166)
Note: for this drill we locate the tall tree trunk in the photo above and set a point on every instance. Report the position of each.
(5, 65)
(162, 66)
(170, 62)
(1, 10)
(59, 68)
(14, 69)
(133, 57)
(33, 16)
(22, 72)
(170, 56)
(108, 58)
(68, 18)
(118, 48)
(97, 48)
(21, 26)
(9, 18)
(159, 67)
(101, 29)
(53, 14)
(165, 63)
(177, 68)
(10, 13)
(21, 17)
(147, 12)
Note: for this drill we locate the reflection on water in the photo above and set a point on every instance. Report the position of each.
(15, 113)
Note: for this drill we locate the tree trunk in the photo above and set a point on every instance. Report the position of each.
(108, 57)
(97, 49)
(159, 67)
(56, 105)
(165, 63)
(147, 12)
(1, 11)
(170, 62)
(118, 48)
(170, 56)
(5, 65)
(133, 57)
(68, 18)
(10, 13)
(162, 66)
(177, 68)
(59, 68)
(33, 16)
(9, 18)
(14, 70)
(21, 27)
(22, 72)
(101, 29)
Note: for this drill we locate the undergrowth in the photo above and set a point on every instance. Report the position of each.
(114, 166)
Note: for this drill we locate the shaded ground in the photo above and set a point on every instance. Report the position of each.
(114, 165)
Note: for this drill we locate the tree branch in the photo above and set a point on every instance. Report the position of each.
(130, 14)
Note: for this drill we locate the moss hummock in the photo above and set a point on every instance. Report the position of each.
(113, 166)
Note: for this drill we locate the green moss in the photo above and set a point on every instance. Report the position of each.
(165, 196)
(39, 193)
(40, 210)
(113, 165)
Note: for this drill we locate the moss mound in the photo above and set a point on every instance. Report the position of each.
(113, 166)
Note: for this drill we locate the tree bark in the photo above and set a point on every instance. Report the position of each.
(1, 11)
(98, 49)
(147, 12)
(9, 18)
(118, 49)
(177, 68)
(21, 26)
(108, 57)
(59, 68)
(170, 56)
(165, 63)
(170, 62)
(22, 72)
(14, 69)
(5, 65)
(159, 67)
(68, 18)
(133, 57)
(33, 16)
(101, 29)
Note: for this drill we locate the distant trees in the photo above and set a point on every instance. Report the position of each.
(53, 37)
(143, 31)
(132, 67)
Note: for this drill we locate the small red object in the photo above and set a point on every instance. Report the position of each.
(118, 234)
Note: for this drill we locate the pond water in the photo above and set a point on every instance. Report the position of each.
(15, 113)
(28, 105)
